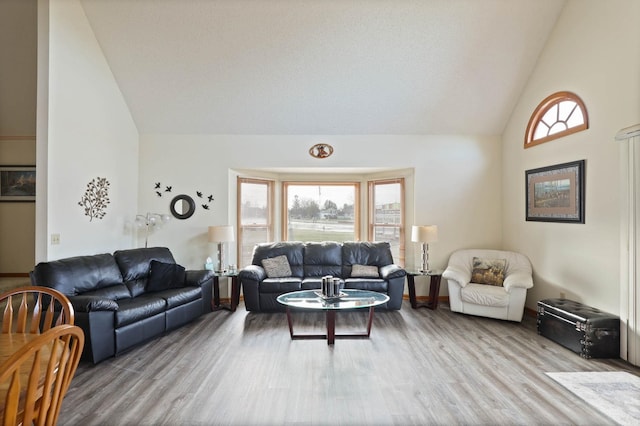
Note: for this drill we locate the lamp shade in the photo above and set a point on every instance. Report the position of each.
(218, 234)
(424, 234)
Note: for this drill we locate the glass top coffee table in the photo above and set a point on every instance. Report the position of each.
(313, 300)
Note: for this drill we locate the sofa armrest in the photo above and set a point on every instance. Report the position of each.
(250, 278)
(202, 278)
(253, 273)
(388, 272)
(197, 277)
(460, 276)
(92, 303)
(518, 280)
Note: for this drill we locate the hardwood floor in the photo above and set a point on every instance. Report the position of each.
(420, 367)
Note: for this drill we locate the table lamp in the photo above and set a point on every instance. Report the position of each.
(220, 234)
(425, 235)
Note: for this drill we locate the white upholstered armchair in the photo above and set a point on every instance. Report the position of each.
(488, 283)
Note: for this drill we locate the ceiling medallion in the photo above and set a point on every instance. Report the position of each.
(321, 150)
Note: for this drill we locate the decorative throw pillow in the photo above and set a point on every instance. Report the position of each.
(364, 271)
(163, 276)
(488, 271)
(277, 267)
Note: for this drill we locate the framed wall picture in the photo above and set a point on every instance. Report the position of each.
(556, 193)
(17, 183)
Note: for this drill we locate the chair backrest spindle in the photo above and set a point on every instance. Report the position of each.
(35, 379)
(7, 317)
(40, 309)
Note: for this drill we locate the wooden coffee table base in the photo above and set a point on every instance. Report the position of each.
(331, 335)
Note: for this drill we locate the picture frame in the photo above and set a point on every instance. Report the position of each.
(17, 183)
(556, 193)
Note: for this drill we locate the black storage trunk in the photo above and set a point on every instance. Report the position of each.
(584, 330)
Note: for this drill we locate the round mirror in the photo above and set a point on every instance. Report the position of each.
(182, 206)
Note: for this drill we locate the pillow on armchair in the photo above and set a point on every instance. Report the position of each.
(488, 271)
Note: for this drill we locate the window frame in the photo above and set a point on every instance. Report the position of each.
(371, 184)
(270, 225)
(284, 217)
(544, 106)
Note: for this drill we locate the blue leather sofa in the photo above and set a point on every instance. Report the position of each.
(310, 261)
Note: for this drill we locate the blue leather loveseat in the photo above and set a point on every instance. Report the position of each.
(124, 299)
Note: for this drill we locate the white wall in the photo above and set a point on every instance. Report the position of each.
(457, 182)
(594, 52)
(90, 134)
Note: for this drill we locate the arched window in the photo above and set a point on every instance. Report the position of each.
(560, 114)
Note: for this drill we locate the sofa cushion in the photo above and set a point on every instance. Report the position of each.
(364, 271)
(137, 286)
(313, 283)
(179, 296)
(77, 275)
(324, 258)
(163, 276)
(277, 267)
(138, 308)
(486, 295)
(294, 250)
(280, 285)
(115, 292)
(370, 284)
(488, 271)
(134, 263)
(365, 253)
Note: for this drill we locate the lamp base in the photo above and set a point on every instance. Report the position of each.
(220, 267)
(425, 259)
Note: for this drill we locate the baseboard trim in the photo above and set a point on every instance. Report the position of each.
(421, 299)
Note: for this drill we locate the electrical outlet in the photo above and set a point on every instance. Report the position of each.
(55, 239)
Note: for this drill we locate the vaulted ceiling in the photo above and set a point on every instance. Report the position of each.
(322, 66)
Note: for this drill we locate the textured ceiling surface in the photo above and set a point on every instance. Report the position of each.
(322, 66)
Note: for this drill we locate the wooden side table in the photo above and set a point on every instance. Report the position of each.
(235, 292)
(434, 288)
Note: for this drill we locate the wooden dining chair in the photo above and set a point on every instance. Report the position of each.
(35, 379)
(40, 308)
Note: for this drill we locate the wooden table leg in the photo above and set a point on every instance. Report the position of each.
(371, 310)
(215, 305)
(331, 327)
(235, 294)
(308, 336)
(331, 334)
(434, 291)
(290, 323)
(411, 283)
